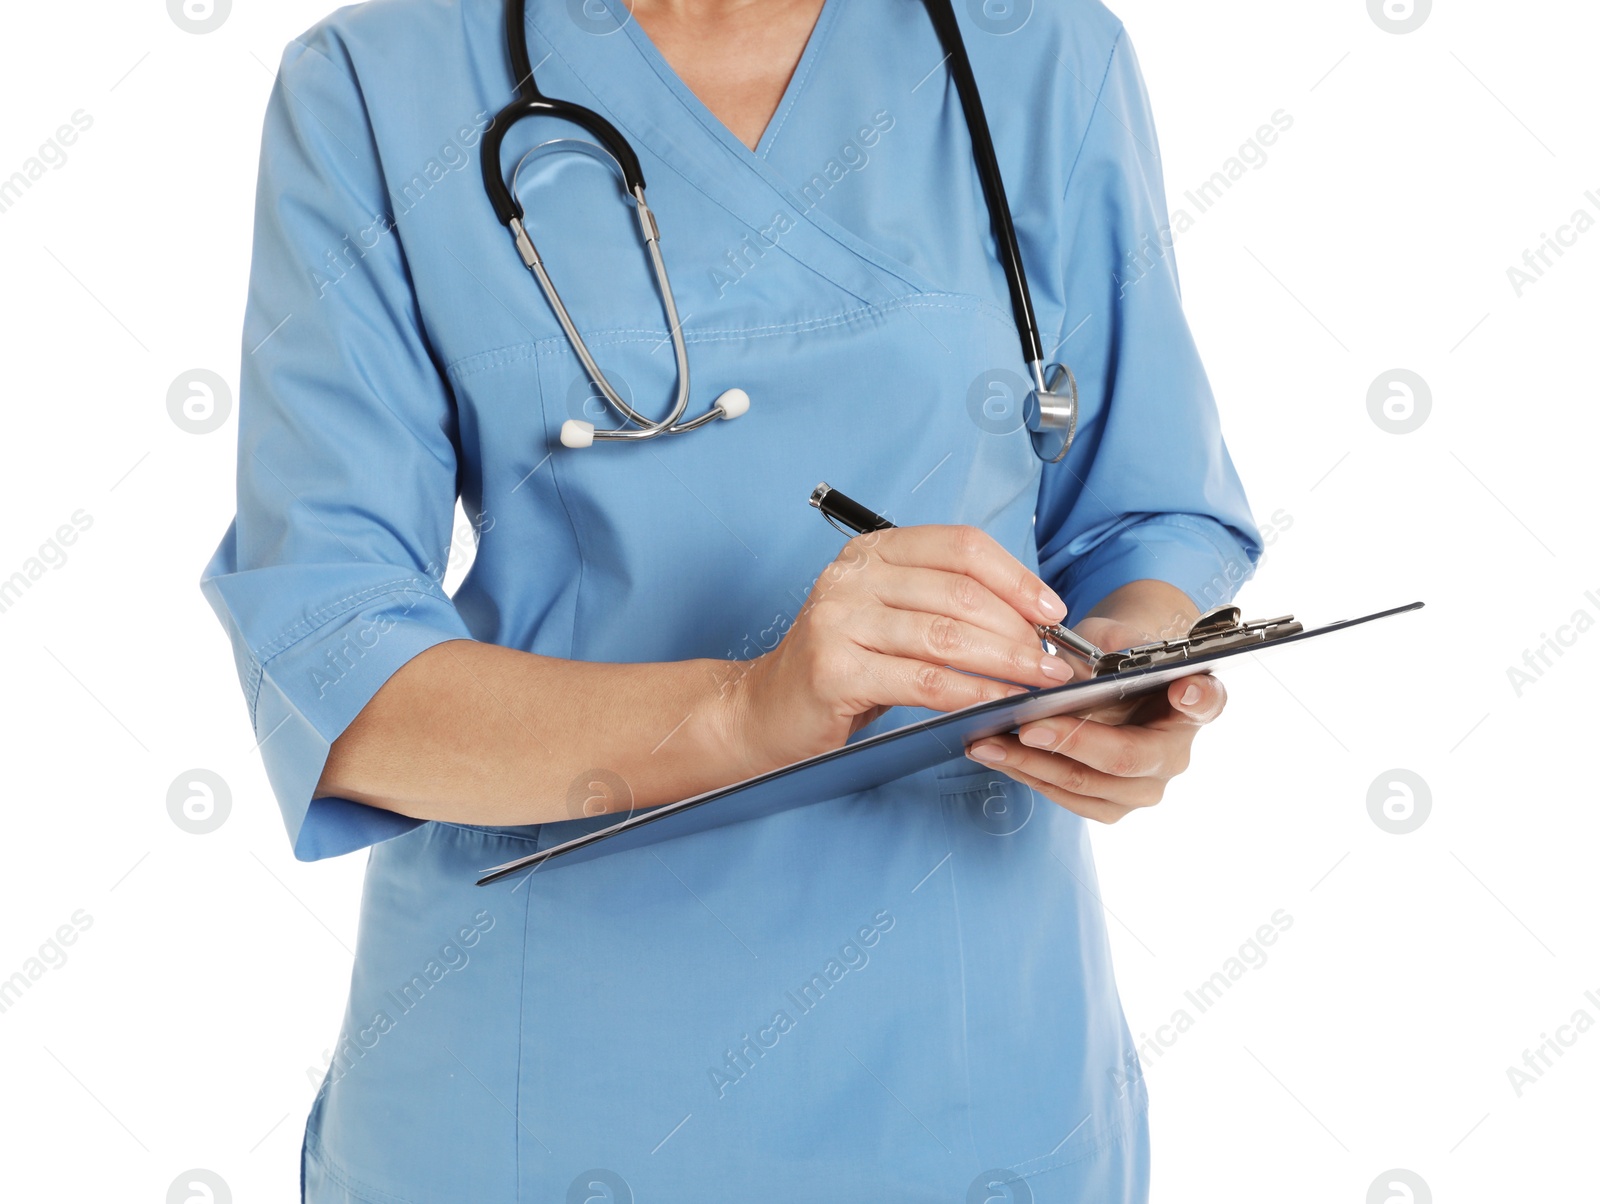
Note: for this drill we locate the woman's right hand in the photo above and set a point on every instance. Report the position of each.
(905, 617)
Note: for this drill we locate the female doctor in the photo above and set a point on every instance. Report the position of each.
(903, 994)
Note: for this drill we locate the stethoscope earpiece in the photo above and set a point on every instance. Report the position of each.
(734, 403)
(577, 434)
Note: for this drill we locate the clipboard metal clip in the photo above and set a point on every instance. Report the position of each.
(1217, 629)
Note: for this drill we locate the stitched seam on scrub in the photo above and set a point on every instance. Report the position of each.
(1085, 564)
(252, 688)
(487, 830)
(1202, 525)
(345, 66)
(317, 619)
(337, 1173)
(1120, 1130)
(961, 967)
(315, 622)
(522, 992)
(557, 345)
(865, 251)
(578, 538)
(572, 522)
(480, 361)
(1121, 1126)
(812, 55)
(633, 135)
(1088, 125)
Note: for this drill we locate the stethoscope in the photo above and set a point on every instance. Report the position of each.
(1050, 410)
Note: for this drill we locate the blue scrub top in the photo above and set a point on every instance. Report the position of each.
(903, 994)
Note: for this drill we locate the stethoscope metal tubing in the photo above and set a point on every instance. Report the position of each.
(650, 234)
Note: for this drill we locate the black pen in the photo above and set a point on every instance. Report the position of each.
(837, 509)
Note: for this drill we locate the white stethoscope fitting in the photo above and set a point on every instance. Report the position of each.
(574, 431)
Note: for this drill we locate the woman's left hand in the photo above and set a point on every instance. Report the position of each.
(1104, 763)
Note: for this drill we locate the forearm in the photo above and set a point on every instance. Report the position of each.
(1155, 608)
(475, 733)
(471, 732)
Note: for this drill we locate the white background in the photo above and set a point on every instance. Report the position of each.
(1378, 234)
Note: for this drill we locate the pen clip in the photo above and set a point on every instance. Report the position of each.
(842, 530)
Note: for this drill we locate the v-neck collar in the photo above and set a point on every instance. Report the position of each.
(686, 95)
(690, 140)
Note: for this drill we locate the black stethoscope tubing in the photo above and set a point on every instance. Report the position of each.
(530, 102)
(994, 189)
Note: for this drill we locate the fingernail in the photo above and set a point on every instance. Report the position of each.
(991, 753)
(1191, 695)
(1054, 666)
(1035, 738)
(1052, 604)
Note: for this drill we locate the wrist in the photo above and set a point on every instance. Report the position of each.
(728, 725)
(1157, 609)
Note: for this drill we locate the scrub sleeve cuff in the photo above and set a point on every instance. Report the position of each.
(306, 687)
(1194, 553)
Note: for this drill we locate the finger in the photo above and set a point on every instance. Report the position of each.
(1090, 808)
(872, 678)
(936, 591)
(1123, 751)
(976, 553)
(941, 640)
(1191, 702)
(1068, 775)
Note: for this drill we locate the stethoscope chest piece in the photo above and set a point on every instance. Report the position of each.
(1051, 413)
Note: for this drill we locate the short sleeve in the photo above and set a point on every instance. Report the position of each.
(1148, 489)
(328, 579)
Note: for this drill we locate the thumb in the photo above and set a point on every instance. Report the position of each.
(1193, 702)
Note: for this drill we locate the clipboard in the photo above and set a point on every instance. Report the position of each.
(1217, 640)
